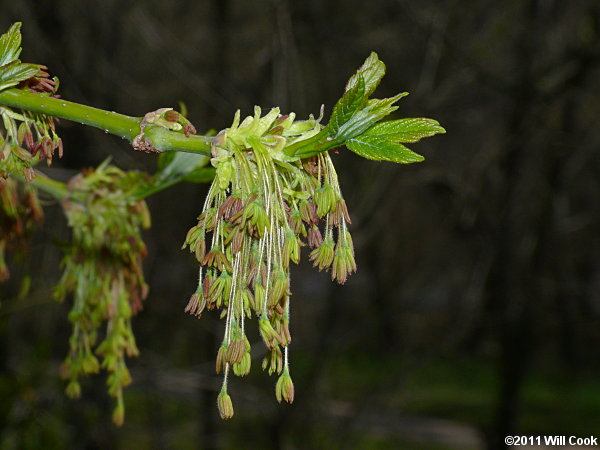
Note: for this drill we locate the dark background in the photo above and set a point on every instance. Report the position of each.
(476, 309)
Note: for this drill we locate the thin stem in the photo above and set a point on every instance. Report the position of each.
(56, 189)
(111, 122)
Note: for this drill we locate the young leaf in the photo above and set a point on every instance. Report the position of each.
(406, 130)
(179, 165)
(362, 120)
(372, 71)
(200, 175)
(380, 149)
(13, 73)
(164, 159)
(382, 142)
(10, 44)
(352, 101)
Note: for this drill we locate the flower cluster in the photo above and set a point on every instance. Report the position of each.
(28, 137)
(262, 207)
(20, 210)
(103, 270)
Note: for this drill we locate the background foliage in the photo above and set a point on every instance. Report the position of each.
(475, 312)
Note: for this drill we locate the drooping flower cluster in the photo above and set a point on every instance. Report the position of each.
(20, 210)
(262, 207)
(103, 271)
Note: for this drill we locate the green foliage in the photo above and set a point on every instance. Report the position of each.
(355, 122)
(12, 71)
(383, 140)
(10, 44)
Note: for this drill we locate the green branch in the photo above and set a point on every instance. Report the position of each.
(120, 125)
(56, 189)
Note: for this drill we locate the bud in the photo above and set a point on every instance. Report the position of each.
(284, 389)
(295, 223)
(279, 286)
(273, 361)
(221, 360)
(315, 238)
(308, 212)
(216, 258)
(118, 416)
(196, 304)
(235, 351)
(322, 256)
(230, 207)
(224, 404)
(220, 289)
(325, 199)
(268, 333)
(243, 367)
(339, 214)
(73, 389)
(343, 262)
(259, 296)
(291, 248)
(249, 304)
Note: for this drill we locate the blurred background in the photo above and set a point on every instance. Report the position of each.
(475, 312)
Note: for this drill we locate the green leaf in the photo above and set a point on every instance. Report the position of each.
(362, 120)
(202, 175)
(352, 101)
(380, 149)
(10, 44)
(372, 71)
(355, 122)
(179, 165)
(406, 130)
(13, 73)
(164, 159)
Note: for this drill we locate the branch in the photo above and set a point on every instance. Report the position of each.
(56, 189)
(120, 125)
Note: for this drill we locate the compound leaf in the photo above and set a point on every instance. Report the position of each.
(406, 130)
(13, 73)
(10, 44)
(371, 71)
(381, 149)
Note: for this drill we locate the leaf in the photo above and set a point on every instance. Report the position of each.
(372, 71)
(175, 167)
(164, 159)
(179, 165)
(362, 120)
(13, 73)
(351, 102)
(381, 149)
(202, 175)
(355, 122)
(406, 130)
(10, 44)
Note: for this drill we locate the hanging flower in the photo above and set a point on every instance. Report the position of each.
(103, 271)
(253, 222)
